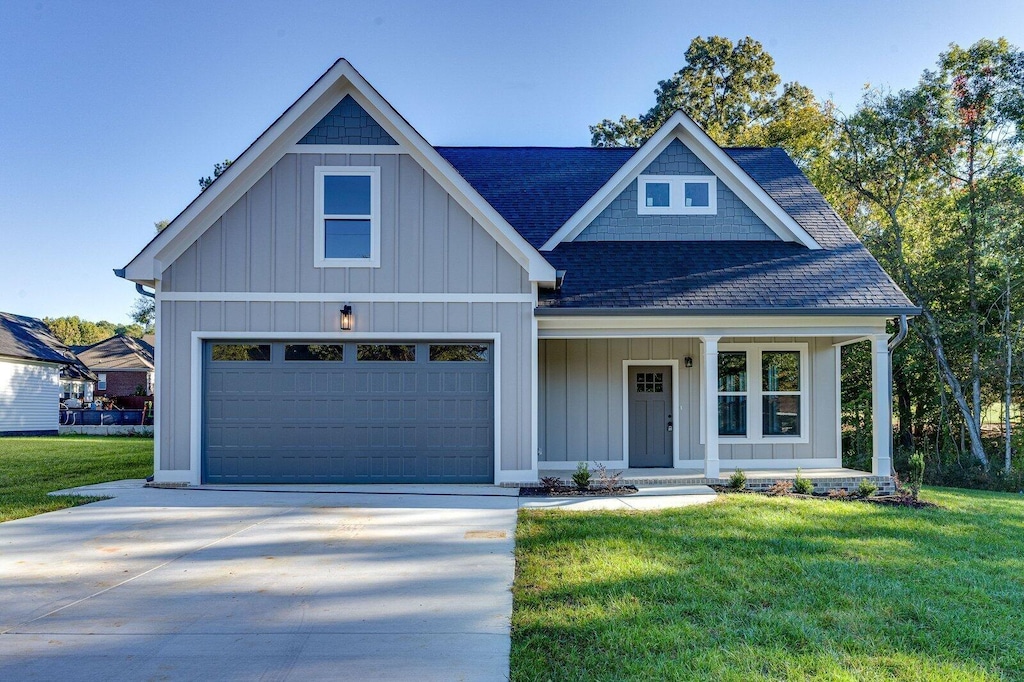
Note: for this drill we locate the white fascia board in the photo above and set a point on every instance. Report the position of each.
(281, 137)
(681, 126)
(657, 326)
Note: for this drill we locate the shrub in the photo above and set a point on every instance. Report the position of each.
(780, 488)
(838, 494)
(801, 485)
(916, 478)
(866, 487)
(550, 482)
(581, 477)
(738, 480)
(606, 480)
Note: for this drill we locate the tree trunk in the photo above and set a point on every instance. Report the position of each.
(903, 407)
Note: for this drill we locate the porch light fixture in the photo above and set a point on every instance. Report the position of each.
(688, 361)
(346, 319)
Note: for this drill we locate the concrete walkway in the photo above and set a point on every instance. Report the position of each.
(245, 585)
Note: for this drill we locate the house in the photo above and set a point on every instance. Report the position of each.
(347, 303)
(35, 368)
(123, 366)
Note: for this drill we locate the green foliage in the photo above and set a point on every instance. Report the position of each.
(74, 331)
(581, 477)
(218, 169)
(738, 480)
(916, 479)
(733, 92)
(802, 485)
(866, 487)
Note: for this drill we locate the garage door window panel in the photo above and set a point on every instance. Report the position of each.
(318, 352)
(382, 352)
(240, 352)
(465, 352)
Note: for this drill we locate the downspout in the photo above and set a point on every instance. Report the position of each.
(894, 343)
(150, 294)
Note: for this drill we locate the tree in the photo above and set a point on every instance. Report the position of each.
(218, 168)
(927, 165)
(74, 331)
(733, 92)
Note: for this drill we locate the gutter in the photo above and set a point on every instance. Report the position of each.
(544, 311)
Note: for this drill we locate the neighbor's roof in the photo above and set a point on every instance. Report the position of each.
(537, 189)
(26, 338)
(119, 352)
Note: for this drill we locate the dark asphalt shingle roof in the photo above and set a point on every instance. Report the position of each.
(26, 338)
(537, 189)
(120, 352)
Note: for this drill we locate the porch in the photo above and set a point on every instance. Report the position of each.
(633, 393)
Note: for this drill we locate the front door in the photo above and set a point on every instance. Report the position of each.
(650, 416)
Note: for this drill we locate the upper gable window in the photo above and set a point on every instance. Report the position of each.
(347, 222)
(677, 195)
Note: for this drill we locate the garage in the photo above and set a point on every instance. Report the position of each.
(348, 412)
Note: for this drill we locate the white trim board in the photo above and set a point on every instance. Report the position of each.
(337, 297)
(374, 149)
(680, 126)
(194, 474)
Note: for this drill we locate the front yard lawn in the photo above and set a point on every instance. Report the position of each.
(32, 467)
(755, 588)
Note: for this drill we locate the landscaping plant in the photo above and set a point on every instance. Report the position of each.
(866, 487)
(801, 485)
(581, 477)
(738, 480)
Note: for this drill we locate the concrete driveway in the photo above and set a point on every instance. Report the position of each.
(247, 585)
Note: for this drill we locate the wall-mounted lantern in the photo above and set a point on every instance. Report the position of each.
(346, 319)
(688, 361)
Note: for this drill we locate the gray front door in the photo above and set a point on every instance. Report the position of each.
(650, 416)
(348, 412)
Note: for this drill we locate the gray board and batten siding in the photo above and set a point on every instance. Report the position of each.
(733, 221)
(429, 244)
(581, 410)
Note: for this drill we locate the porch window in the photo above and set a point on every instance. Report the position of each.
(347, 224)
(732, 394)
(780, 393)
(774, 396)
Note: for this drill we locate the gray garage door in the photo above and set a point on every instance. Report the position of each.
(306, 412)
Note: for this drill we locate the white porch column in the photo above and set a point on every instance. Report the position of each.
(881, 406)
(710, 368)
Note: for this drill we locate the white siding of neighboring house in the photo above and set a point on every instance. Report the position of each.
(29, 396)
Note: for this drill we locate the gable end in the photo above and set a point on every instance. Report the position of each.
(348, 123)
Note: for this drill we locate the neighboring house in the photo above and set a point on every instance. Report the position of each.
(123, 366)
(34, 367)
(347, 303)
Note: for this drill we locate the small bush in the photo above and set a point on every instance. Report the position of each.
(801, 485)
(838, 494)
(550, 482)
(780, 489)
(581, 477)
(605, 479)
(916, 478)
(738, 480)
(866, 487)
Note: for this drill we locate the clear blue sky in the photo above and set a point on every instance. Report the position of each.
(111, 111)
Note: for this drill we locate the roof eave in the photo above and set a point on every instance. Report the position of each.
(883, 311)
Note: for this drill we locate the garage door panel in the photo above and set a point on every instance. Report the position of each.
(348, 421)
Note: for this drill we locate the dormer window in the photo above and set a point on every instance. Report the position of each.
(347, 222)
(677, 195)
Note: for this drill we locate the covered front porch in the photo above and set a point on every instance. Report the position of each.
(633, 393)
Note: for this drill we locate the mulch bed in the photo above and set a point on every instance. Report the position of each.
(573, 491)
(885, 500)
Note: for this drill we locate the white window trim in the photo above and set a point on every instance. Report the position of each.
(101, 381)
(754, 394)
(319, 260)
(677, 193)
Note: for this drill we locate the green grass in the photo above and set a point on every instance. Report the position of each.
(32, 467)
(756, 588)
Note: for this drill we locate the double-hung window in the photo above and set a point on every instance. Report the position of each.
(347, 216)
(762, 393)
(677, 195)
